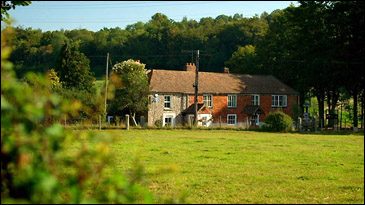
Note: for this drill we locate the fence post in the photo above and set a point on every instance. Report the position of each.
(247, 123)
(127, 121)
(315, 124)
(99, 122)
(220, 121)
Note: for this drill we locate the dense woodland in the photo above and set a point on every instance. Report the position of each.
(316, 48)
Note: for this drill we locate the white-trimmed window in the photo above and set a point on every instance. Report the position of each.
(279, 101)
(208, 100)
(167, 102)
(231, 119)
(168, 120)
(255, 99)
(232, 101)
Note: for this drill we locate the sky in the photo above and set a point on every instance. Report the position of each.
(95, 15)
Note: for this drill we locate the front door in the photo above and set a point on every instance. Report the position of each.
(255, 119)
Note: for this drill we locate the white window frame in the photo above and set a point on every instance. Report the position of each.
(279, 101)
(235, 119)
(233, 103)
(168, 115)
(255, 99)
(170, 101)
(208, 102)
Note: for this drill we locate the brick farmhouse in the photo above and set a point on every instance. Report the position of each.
(223, 99)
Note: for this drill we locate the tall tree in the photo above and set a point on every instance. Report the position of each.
(131, 87)
(73, 68)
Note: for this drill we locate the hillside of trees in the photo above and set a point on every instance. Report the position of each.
(317, 48)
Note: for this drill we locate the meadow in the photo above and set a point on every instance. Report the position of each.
(228, 166)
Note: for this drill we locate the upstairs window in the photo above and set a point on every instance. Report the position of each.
(279, 101)
(255, 99)
(208, 100)
(167, 102)
(232, 101)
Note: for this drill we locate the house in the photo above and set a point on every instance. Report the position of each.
(223, 99)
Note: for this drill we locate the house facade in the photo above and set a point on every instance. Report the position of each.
(223, 98)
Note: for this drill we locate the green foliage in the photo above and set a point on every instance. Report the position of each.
(7, 5)
(278, 121)
(55, 80)
(92, 104)
(131, 87)
(33, 153)
(73, 68)
(158, 123)
(243, 61)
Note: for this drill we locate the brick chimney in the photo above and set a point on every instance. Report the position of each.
(190, 67)
(226, 70)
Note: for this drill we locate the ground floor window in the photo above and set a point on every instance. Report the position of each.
(231, 119)
(168, 119)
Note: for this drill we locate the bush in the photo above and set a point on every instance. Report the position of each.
(35, 165)
(158, 123)
(278, 122)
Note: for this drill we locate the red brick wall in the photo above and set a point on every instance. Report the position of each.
(220, 106)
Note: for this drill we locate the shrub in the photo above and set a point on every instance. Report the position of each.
(278, 122)
(158, 123)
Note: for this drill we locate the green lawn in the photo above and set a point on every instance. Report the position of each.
(218, 166)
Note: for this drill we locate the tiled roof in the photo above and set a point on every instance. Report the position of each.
(172, 81)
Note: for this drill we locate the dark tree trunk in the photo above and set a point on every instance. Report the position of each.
(320, 99)
(355, 92)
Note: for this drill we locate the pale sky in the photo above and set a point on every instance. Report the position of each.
(95, 15)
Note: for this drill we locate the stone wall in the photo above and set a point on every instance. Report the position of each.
(156, 110)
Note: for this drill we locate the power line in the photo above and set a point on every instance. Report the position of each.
(112, 19)
(119, 6)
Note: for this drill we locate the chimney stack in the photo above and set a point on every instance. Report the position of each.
(226, 70)
(190, 67)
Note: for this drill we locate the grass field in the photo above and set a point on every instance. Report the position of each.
(219, 166)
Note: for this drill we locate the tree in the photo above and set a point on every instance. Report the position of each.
(73, 68)
(131, 87)
(7, 5)
(243, 61)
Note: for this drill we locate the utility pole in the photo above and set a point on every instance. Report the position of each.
(196, 82)
(196, 88)
(106, 80)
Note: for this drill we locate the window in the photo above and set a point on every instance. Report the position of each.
(255, 99)
(207, 99)
(279, 101)
(167, 102)
(168, 120)
(231, 119)
(232, 101)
